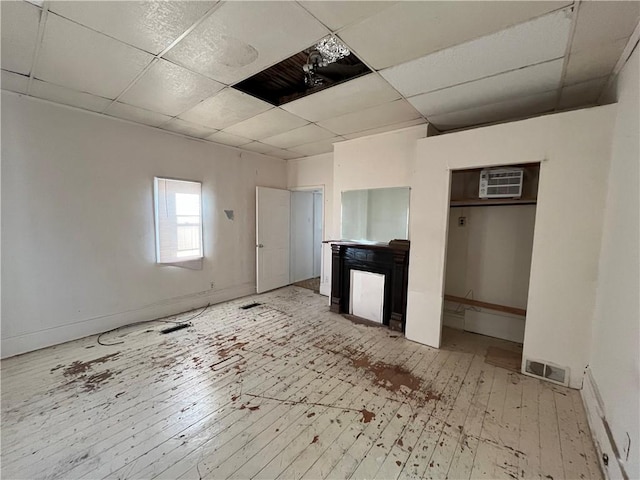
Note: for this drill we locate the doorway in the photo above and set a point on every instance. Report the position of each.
(488, 262)
(306, 238)
(289, 232)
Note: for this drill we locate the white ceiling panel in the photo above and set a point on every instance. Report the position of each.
(351, 96)
(387, 128)
(14, 82)
(257, 147)
(66, 96)
(336, 15)
(267, 124)
(135, 114)
(307, 134)
(604, 22)
(374, 117)
(283, 154)
(18, 35)
(510, 109)
(87, 61)
(533, 42)
(187, 128)
(243, 38)
(408, 30)
(225, 109)
(522, 82)
(170, 89)
(151, 26)
(594, 62)
(581, 94)
(316, 148)
(228, 139)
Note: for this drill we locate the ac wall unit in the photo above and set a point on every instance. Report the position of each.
(501, 183)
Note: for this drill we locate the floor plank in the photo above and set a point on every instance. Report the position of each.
(284, 390)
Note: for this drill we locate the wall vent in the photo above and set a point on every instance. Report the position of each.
(501, 183)
(548, 371)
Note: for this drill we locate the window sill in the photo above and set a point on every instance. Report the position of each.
(193, 263)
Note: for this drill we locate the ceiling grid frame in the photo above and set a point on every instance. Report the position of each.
(573, 5)
(574, 22)
(367, 64)
(164, 52)
(44, 14)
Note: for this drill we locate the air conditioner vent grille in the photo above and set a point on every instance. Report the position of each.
(501, 183)
(547, 371)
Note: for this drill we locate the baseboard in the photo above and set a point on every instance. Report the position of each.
(597, 423)
(53, 336)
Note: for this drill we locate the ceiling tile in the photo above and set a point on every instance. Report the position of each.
(228, 139)
(351, 96)
(387, 128)
(594, 62)
(170, 89)
(582, 94)
(81, 59)
(66, 96)
(151, 26)
(257, 147)
(533, 42)
(267, 124)
(378, 116)
(283, 154)
(187, 128)
(135, 114)
(604, 22)
(510, 109)
(18, 35)
(316, 148)
(307, 134)
(517, 83)
(408, 30)
(243, 38)
(225, 109)
(336, 15)
(14, 82)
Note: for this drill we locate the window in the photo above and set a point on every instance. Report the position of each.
(178, 212)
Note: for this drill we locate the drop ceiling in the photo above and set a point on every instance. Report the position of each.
(174, 65)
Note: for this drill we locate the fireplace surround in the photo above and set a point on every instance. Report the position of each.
(390, 260)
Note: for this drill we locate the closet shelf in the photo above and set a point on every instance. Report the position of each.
(491, 306)
(492, 202)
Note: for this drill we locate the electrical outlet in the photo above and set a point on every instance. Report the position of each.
(462, 221)
(212, 285)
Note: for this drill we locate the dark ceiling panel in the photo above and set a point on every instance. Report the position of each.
(285, 81)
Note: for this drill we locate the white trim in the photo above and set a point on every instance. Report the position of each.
(64, 333)
(596, 418)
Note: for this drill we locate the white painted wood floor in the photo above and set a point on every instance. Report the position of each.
(283, 390)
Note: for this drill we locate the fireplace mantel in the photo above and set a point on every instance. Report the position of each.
(391, 260)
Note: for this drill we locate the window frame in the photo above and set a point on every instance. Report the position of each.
(156, 213)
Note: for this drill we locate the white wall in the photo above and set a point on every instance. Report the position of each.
(77, 222)
(317, 171)
(615, 351)
(379, 161)
(490, 258)
(574, 149)
(318, 227)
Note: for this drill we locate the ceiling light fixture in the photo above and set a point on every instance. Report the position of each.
(326, 51)
(332, 49)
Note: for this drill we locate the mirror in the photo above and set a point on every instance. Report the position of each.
(375, 215)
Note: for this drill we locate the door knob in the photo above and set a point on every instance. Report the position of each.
(260, 245)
